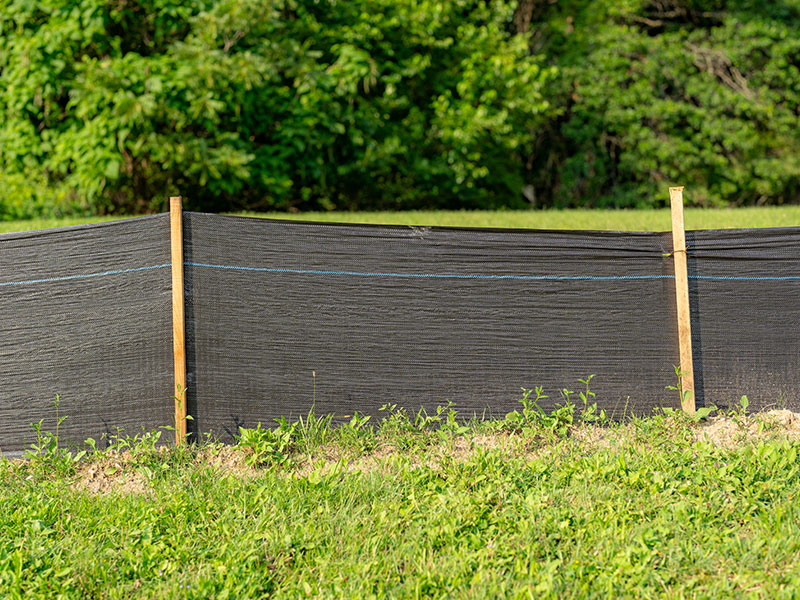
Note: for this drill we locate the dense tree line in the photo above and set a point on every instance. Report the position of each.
(704, 93)
(112, 105)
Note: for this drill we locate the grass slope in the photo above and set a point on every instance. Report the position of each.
(521, 508)
(612, 220)
(607, 220)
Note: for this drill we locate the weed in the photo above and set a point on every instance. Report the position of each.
(137, 444)
(395, 421)
(683, 396)
(357, 434)
(313, 431)
(701, 414)
(739, 413)
(533, 419)
(589, 413)
(560, 419)
(179, 399)
(45, 454)
(267, 446)
(451, 426)
(424, 422)
(742, 408)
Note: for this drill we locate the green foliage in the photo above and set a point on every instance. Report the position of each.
(655, 93)
(357, 434)
(112, 106)
(647, 515)
(452, 425)
(45, 454)
(701, 414)
(267, 446)
(179, 399)
(589, 413)
(313, 431)
(533, 419)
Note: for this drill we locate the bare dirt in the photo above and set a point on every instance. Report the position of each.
(111, 474)
(226, 459)
(728, 432)
(119, 473)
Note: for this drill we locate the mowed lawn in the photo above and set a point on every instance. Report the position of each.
(607, 220)
(652, 508)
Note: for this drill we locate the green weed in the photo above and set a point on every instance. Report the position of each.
(534, 420)
(683, 396)
(267, 446)
(45, 454)
(590, 414)
(357, 435)
(179, 398)
(313, 432)
(451, 426)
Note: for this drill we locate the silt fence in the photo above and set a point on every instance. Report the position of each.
(281, 316)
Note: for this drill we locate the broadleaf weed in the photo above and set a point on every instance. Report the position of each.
(265, 446)
(46, 456)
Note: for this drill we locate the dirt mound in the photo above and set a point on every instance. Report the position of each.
(731, 431)
(120, 472)
(113, 474)
(227, 459)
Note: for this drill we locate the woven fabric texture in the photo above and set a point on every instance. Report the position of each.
(86, 315)
(420, 317)
(282, 316)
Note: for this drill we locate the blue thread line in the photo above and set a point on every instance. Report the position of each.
(424, 275)
(406, 275)
(516, 277)
(744, 278)
(84, 276)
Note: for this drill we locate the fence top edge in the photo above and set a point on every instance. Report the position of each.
(31, 233)
(729, 232)
(443, 228)
(521, 230)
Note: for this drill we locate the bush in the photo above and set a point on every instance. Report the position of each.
(282, 105)
(112, 106)
(703, 93)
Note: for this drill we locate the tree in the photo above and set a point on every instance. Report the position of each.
(659, 92)
(245, 104)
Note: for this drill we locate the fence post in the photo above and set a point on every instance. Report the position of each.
(682, 297)
(178, 322)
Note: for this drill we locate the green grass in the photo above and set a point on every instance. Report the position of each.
(619, 220)
(32, 224)
(415, 508)
(608, 220)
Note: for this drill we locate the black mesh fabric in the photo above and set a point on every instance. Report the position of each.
(86, 314)
(744, 287)
(420, 317)
(412, 316)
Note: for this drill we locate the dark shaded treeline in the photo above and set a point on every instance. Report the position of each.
(110, 106)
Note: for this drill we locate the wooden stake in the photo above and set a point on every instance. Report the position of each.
(682, 297)
(178, 323)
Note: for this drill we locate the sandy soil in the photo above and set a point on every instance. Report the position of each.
(119, 473)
